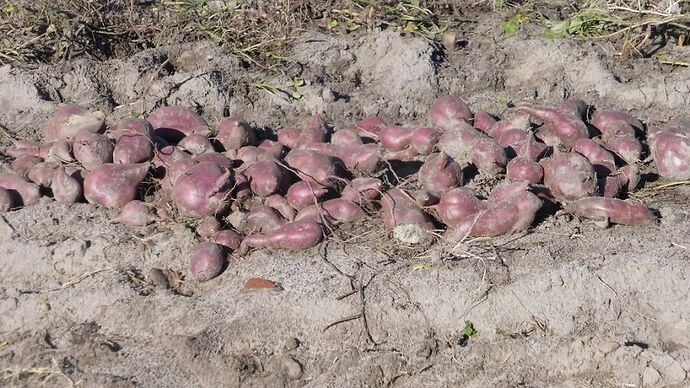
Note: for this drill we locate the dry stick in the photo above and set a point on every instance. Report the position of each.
(78, 279)
(623, 302)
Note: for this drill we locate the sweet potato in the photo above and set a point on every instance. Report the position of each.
(173, 123)
(23, 193)
(273, 148)
(447, 111)
(25, 147)
(66, 188)
(422, 198)
(23, 163)
(266, 177)
(6, 202)
(174, 171)
(616, 123)
(574, 107)
(346, 137)
(242, 189)
(364, 158)
(395, 138)
(279, 203)
(207, 261)
(42, 173)
(208, 227)
(671, 153)
(203, 189)
(250, 154)
(304, 193)
(369, 127)
(569, 176)
(407, 142)
(489, 157)
(334, 210)
(60, 152)
(294, 236)
(398, 208)
(133, 141)
(216, 158)
(196, 144)
(313, 166)
(289, 137)
(262, 219)
(567, 127)
(136, 213)
(515, 121)
(627, 147)
(113, 185)
(234, 133)
(439, 174)
(458, 142)
(229, 239)
(521, 169)
(169, 154)
(611, 210)
(602, 160)
(456, 205)
(316, 131)
(71, 119)
(483, 121)
(92, 149)
(362, 190)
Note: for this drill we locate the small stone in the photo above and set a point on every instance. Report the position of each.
(450, 40)
(327, 95)
(292, 368)
(291, 343)
(650, 376)
(607, 346)
(158, 278)
(412, 234)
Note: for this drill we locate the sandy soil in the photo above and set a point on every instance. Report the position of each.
(567, 304)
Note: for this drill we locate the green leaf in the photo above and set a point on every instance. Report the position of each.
(557, 30)
(9, 8)
(331, 24)
(469, 330)
(420, 267)
(512, 25)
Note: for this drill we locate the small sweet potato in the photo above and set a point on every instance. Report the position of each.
(304, 193)
(66, 188)
(521, 169)
(566, 126)
(483, 121)
(294, 236)
(515, 121)
(279, 203)
(456, 205)
(346, 137)
(92, 149)
(362, 190)
(602, 160)
(203, 189)
(334, 210)
(113, 185)
(313, 166)
(23, 163)
(274, 148)
(208, 227)
(266, 177)
(489, 157)
(23, 193)
(316, 131)
(262, 219)
(173, 123)
(234, 133)
(60, 152)
(136, 213)
(448, 111)
(439, 174)
(369, 127)
(611, 210)
(71, 119)
(229, 239)
(196, 144)
(569, 176)
(399, 208)
(42, 173)
(207, 261)
(395, 138)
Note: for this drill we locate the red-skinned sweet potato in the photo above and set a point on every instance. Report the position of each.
(670, 148)
(439, 174)
(602, 160)
(207, 261)
(71, 119)
(42, 173)
(274, 148)
(399, 208)
(334, 210)
(362, 190)
(92, 149)
(516, 121)
(567, 127)
(294, 236)
(611, 210)
(279, 203)
(369, 127)
(483, 121)
(113, 185)
(66, 188)
(313, 166)
(346, 137)
(208, 227)
(229, 239)
(569, 176)
(60, 152)
(234, 133)
(23, 163)
(196, 144)
(173, 123)
(304, 193)
(203, 189)
(262, 219)
(456, 205)
(521, 169)
(136, 213)
(266, 177)
(23, 193)
(448, 111)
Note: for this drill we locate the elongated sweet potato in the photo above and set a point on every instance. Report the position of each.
(23, 193)
(611, 210)
(173, 123)
(334, 210)
(113, 185)
(234, 133)
(294, 236)
(567, 127)
(362, 190)
(281, 204)
(569, 176)
(23, 163)
(483, 121)
(203, 189)
(207, 261)
(439, 174)
(448, 111)
(71, 119)
(602, 160)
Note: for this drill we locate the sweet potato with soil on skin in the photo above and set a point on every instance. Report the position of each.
(113, 185)
(456, 205)
(334, 210)
(364, 158)
(313, 166)
(362, 190)
(263, 219)
(173, 123)
(207, 261)
(422, 198)
(23, 163)
(295, 236)
(289, 137)
(6, 202)
(513, 122)
(506, 191)
(279, 203)
(25, 147)
(23, 193)
(196, 144)
(483, 121)
(439, 174)
(628, 148)
(136, 213)
(174, 171)
(521, 169)
(241, 190)
(565, 126)
(611, 210)
(66, 188)
(369, 127)
(316, 131)
(671, 153)
(569, 176)
(448, 111)
(398, 208)
(575, 107)
(203, 189)
(60, 152)
(266, 177)
(459, 141)
(71, 119)
(274, 148)
(229, 239)
(131, 149)
(346, 137)
(616, 123)
(489, 157)
(92, 149)
(395, 138)
(250, 154)
(216, 158)
(234, 133)
(602, 160)
(169, 154)
(304, 193)
(208, 227)
(530, 149)
(42, 173)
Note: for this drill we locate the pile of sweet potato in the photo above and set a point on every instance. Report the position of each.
(288, 189)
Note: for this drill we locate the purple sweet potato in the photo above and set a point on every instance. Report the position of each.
(71, 119)
(113, 185)
(203, 189)
(567, 127)
(616, 123)
(602, 160)
(424, 140)
(483, 121)
(23, 193)
(250, 154)
(369, 127)
(346, 137)
(611, 210)
(514, 122)
(66, 189)
(313, 166)
(234, 133)
(439, 174)
(173, 123)
(362, 190)
(671, 152)
(42, 173)
(196, 144)
(295, 236)
(6, 202)
(169, 154)
(395, 138)
(456, 205)
(274, 148)
(229, 239)
(334, 210)
(23, 163)
(569, 176)
(208, 227)
(281, 204)
(448, 111)
(136, 213)
(266, 177)
(398, 208)
(207, 261)
(92, 149)
(60, 152)
(304, 193)
(521, 169)
(627, 147)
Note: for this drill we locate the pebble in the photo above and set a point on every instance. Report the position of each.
(650, 376)
(292, 368)
(291, 343)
